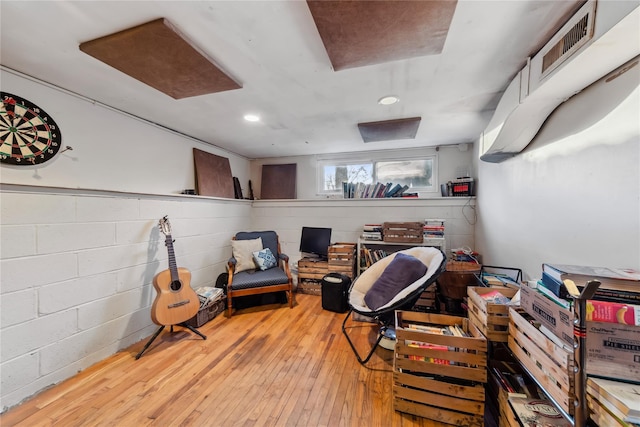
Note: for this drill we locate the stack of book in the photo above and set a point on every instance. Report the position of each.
(616, 285)
(433, 228)
(617, 300)
(372, 232)
(359, 190)
(612, 315)
(613, 403)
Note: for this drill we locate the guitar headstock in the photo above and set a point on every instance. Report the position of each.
(164, 225)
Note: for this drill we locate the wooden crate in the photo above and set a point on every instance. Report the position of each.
(427, 300)
(312, 269)
(443, 378)
(550, 364)
(490, 318)
(508, 417)
(311, 287)
(342, 259)
(403, 232)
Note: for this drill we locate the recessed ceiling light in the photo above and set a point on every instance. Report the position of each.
(388, 100)
(252, 118)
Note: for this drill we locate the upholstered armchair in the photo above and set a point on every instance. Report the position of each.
(257, 267)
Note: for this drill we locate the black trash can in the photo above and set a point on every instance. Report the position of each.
(335, 292)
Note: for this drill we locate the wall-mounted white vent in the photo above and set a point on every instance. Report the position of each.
(571, 37)
(600, 37)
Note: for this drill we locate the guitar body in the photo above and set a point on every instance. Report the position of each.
(176, 301)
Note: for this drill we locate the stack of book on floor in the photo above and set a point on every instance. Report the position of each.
(613, 403)
(372, 232)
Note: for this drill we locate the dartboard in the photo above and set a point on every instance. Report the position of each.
(29, 136)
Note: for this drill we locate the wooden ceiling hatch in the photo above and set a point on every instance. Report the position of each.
(359, 33)
(157, 54)
(389, 130)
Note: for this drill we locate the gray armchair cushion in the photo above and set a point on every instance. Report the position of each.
(259, 278)
(269, 239)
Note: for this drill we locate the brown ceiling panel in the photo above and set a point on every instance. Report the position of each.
(389, 130)
(156, 54)
(358, 33)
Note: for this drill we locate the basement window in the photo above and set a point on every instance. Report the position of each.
(418, 174)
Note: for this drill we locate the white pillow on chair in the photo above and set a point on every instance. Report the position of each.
(243, 253)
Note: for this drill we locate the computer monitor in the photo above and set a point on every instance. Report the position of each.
(315, 241)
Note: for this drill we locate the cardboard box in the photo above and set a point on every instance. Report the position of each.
(557, 319)
(613, 350)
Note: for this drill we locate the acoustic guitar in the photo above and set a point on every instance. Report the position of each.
(176, 302)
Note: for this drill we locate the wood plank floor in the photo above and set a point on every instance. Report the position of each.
(265, 366)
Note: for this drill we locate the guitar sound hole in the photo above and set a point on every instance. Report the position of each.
(176, 285)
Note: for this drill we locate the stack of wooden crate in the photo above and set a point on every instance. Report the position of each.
(437, 376)
(310, 274)
(342, 259)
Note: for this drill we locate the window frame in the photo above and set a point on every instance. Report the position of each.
(322, 163)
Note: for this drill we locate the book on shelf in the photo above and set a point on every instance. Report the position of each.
(433, 228)
(617, 396)
(393, 190)
(372, 227)
(371, 235)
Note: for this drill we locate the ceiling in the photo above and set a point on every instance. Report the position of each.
(275, 53)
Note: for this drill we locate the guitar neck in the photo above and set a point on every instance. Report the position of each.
(173, 267)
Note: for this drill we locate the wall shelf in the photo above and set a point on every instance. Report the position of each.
(436, 242)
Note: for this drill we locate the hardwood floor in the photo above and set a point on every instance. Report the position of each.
(267, 365)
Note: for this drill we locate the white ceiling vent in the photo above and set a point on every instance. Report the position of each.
(597, 39)
(570, 41)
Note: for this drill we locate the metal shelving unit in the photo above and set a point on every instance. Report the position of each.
(436, 242)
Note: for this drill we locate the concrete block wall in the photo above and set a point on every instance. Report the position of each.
(346, 218)
(77, 272)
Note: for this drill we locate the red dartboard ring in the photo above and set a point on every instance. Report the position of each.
(28, 134)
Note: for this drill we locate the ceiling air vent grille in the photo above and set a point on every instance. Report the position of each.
(575, 37)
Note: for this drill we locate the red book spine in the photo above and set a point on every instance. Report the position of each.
(613, 312)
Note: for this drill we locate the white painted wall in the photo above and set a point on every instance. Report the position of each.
(452, 163)
(573, 196)
(111, 150)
